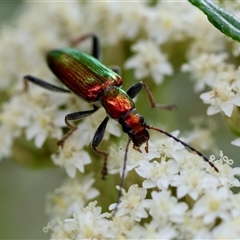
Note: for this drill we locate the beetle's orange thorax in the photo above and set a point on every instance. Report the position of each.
(116, 102)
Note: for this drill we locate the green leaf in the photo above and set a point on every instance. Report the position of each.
(223, 20)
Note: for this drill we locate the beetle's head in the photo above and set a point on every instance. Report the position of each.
(133, 124)
(140, 138)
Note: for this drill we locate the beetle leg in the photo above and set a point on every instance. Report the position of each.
(134, 90)
(95, 43)
(95, 48)
(42, 84)
(72, 117)
(98, 136)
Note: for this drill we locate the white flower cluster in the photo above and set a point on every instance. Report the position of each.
(67, 199)
(181, 196)
(211, 65)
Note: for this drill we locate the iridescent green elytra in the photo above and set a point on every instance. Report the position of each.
(82, 73)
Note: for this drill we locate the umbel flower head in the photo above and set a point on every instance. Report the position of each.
(169, 192)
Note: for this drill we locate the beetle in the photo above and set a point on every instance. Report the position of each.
(99, 85)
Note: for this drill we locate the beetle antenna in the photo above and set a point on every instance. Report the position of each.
(122, 178)
(184, 144)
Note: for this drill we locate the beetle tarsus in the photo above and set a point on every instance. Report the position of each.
(104, 154)
(60, 143)
(104, 171)
(165, 107)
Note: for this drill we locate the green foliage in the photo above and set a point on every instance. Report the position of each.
(223, 20)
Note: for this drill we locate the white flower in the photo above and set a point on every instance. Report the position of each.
(67, 199)
(189, 160)
(235, 202)
(236, 142)
(35, 111)
(43, 125)
(116, 157)
(74, 103)
(204, 69)
(72, 156)
(132, 203)
(58, 232)
(212, 205)
(131, 17)
(193, 182)
(226, 174)
(149, 60)
(227, 229)
(158, 174)
(109, 16)
(89, 223)
(125, 227)
(14, 115)
(207, 40)
(25, 54)
(166, 232)
(162, 21)
(222, 98)
(201, 136)
(167, 146)
(192, 228)
(165, 208)
(102, 21)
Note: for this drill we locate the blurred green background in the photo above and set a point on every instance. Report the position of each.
(23, 191)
